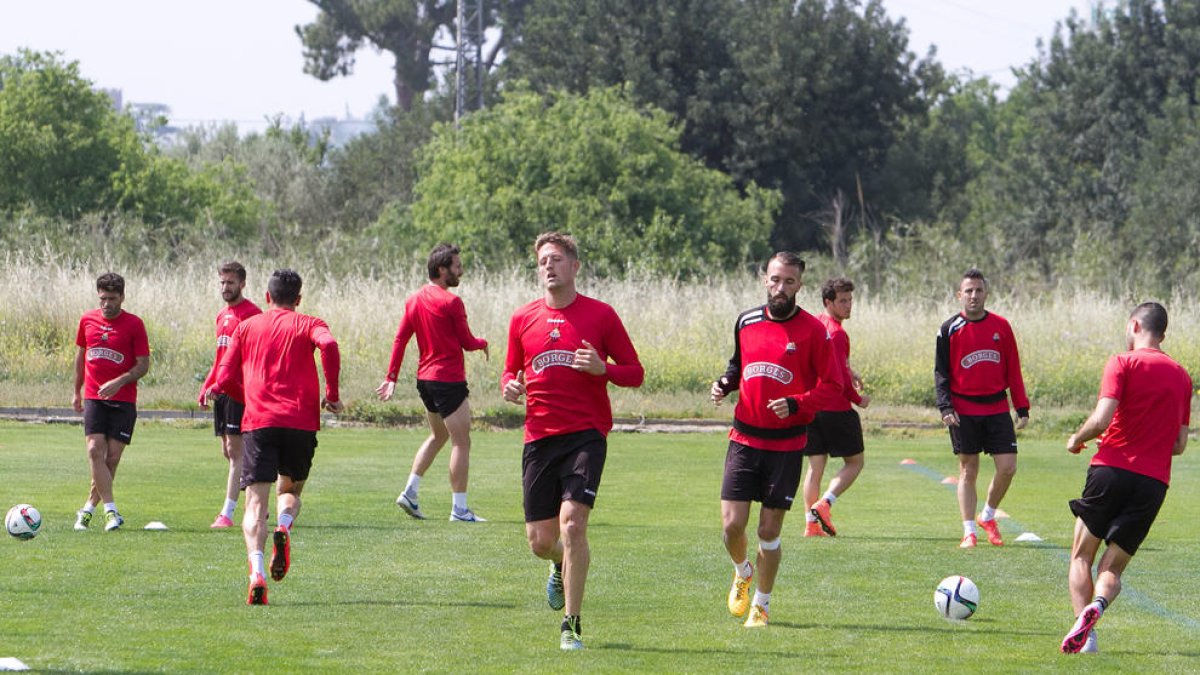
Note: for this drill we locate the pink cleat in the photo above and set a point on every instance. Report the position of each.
(221, 522)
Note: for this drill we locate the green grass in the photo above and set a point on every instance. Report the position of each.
(371, 590)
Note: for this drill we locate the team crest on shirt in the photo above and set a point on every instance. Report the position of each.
(765, 369)
(105, 353)
(790, 348)
(553, 357)
(222, 341)
(995, 337)
(554, 332)
(980, 356)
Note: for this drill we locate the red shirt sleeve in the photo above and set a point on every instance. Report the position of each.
(458, 314)
(1016, 384)
(229, 370)
(403, 334)
(841, 351)
(514, 360)
(625, 370)
(829, 380)
(1112, 383)
(331, 358)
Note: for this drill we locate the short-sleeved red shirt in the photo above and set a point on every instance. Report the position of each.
(111, 348)
(840, 342)
(1154, 396)
(227, 321)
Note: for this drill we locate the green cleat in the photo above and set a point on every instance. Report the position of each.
(555, 596)
(82, 520)
(112, 521)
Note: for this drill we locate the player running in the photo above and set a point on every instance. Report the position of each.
(269, 365)
(837, 431)
(1142, 420)
(563, 350)
(113, 354)
(227, 412)
(785, 368)
(439, 320)
(976, 369)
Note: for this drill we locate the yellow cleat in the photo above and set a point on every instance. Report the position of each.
(757, 618)
(739, 595)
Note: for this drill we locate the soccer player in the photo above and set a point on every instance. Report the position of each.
(785, 368)
(1143, 412)
(976, 369)
(563, 350)
(836, 432)
(439, 320)
(227, 412)
(114, 353)
(269, 365)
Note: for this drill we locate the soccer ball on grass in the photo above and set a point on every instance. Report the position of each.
(956, 598)
(23, 521)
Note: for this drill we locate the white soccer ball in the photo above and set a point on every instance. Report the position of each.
(23, 521)
(956, 598)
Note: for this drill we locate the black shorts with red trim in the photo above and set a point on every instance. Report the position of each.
(768, 476)
(555, 469)
(1119, 506)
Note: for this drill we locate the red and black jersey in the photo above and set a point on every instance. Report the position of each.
(439, 320)
(111, 349)
(841, 352)
(559, 399)
(977, 367)
(227, 321)
(772, 359)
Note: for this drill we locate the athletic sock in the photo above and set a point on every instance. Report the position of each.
(762, 599)
(413, 485)
(227, 510)
(460, 501)
(968, 527)
(1102, 601)
(110, 506)
(88, 507)
(285, 521)
(809, 517)
(743, 569)
(988, 513)
(256, 564)
(829, 497)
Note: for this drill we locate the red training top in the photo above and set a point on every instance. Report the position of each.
(772, 359)
(542, 343)
(269, 365)
(111, 349)
(977, 366)
(1154, 396)
(227, 321)
(439, 320)
(841, 351)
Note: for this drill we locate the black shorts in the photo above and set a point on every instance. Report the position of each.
(114, 419)
(555, 469)
(1119, 506)
(993, 434)
(277, 451)
(442, 398)
(227, 416)
(768, 476)
(837, 434)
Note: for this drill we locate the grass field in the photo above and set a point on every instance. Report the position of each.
(373, 591)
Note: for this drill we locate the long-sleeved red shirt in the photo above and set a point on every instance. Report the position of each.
(773, 359)
(439, 320)
(269, 365)
(542, 343)
(976, 364)
(227, 321)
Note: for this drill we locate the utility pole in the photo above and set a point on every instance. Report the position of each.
(468, 63)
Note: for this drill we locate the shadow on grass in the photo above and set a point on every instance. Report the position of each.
(949, 627)
(626, 647)
(350, 602)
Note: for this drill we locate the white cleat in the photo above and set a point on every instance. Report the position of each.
(467, 516)
(410, 506)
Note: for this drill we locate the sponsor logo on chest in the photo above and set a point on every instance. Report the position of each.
(553, 357)
(766, 369)
(105, 353)
(980, 356)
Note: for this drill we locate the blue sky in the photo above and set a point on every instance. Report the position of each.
(241, 60)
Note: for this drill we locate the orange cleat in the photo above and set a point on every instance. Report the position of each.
(821, 511)
(813, 529)
(993, 531)
(281, 554)
(258, 591)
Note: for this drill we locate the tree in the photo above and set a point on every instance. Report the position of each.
(593, 165)
(404, 28)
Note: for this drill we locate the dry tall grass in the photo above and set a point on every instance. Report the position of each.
(683, 331)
